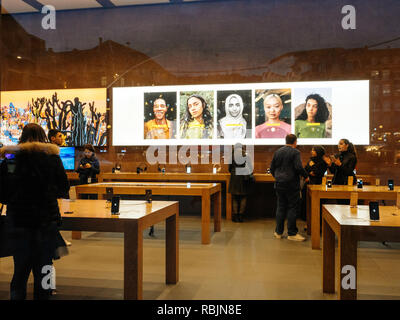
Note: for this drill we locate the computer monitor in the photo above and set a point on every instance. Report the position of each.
(67, 155)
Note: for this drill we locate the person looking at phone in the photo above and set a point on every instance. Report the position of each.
(342, 165)
(316, 166)
(88, 166)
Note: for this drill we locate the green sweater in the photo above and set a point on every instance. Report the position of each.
(304, 129)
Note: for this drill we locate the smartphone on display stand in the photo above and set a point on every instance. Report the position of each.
(374, 210)
(329, 183)
(359, 183)
(391, 184)
(149, 196)
(115, 204)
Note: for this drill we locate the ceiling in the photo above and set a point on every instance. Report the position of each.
(24, 6)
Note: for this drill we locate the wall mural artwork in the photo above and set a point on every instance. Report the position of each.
(80, 114)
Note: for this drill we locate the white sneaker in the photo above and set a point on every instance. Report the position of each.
(68, 243)
(297, 237)
(277, 236)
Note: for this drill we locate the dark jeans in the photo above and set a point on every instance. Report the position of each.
(287, 207)
(33, 249)
(238, 203)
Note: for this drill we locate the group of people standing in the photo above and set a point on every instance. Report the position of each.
(286, 167)
(32, 178)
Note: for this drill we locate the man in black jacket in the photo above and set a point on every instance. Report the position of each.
(286, 167)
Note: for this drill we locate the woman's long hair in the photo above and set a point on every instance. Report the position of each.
(320, 151)
(32, 132)
(206, 115)
(322, 111)
(351, 147)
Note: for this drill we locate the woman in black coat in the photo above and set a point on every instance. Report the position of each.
(342, 165)
(316, 167)
(89, 166)
(32, 177)
(241, 181)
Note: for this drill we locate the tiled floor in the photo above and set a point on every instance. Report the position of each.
(243, 261)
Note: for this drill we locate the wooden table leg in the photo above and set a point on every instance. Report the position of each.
(172, 248)
(217, 211)
(315, 228)
(228, 203)
(328, 258)
(133, 261)
(308, 211)
(77, 235)
(205, 217)
(347, 265)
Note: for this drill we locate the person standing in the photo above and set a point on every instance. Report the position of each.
(32, 177)
(56, 137)
(89, 165)
(342, 165)
(240, 183)
(316, 167)
(286, 168)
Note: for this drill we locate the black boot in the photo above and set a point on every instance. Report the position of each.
(240, 217)
(235, 218)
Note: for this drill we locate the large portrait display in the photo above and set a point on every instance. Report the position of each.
(80, 114)
(251, 113)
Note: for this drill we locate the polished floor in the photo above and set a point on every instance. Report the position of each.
(244, 261)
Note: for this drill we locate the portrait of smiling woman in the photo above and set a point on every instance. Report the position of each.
(196, 116)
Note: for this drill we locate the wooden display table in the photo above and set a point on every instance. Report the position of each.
(72, 175)
(265, 177)
(206, 191)
(175, 176)
(317, 192)
(350, 226)
(134, 218)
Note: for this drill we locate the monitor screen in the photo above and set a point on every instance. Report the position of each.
(80, 114)
(67, 155)
(318, 112)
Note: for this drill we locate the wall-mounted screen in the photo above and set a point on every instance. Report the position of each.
(253, 113)
(80, 114)
(67, 155)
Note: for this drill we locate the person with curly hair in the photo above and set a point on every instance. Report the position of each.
(197, 122)
(311, 123)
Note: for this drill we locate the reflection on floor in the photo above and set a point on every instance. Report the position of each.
(243, 261)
